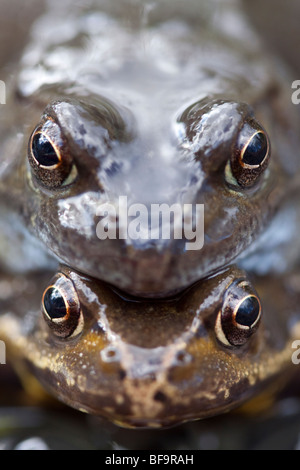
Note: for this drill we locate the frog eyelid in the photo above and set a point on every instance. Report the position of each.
(219, 331)
(72, 177)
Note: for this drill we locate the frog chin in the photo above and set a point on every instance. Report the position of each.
(135, 386)
(149, 401)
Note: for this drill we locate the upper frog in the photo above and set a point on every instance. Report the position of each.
(158, 106)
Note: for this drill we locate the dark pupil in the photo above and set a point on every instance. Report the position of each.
(43, 151)
(54, 303)
(256, 150)
(248, 311)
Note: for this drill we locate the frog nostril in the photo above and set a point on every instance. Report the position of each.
(183, 357)
(110, 354)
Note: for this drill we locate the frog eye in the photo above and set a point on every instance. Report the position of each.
(49, 156)
(250, 156)
(240, 315)
(61, 308)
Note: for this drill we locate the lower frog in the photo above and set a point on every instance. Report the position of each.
(152, 363)
(112, 102)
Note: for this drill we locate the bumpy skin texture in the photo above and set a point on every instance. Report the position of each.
(157, 124)
(153, 363)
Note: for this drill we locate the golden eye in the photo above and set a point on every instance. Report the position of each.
(49, 156)
(61, 308)
(250, 156)
(240, 315)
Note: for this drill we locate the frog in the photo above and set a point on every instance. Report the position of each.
(152, 363)
(112, 102)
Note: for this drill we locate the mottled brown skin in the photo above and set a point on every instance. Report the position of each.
(129, 132)
(152, 363)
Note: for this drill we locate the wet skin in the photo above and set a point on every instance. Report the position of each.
(168, 121)
(152, 363)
